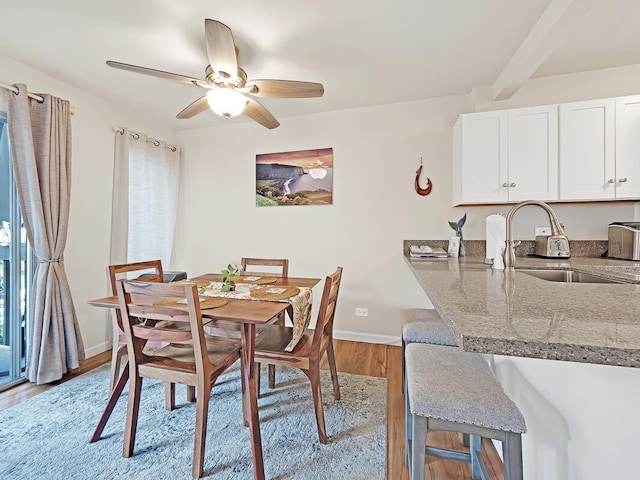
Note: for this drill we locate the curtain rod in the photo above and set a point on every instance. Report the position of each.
(136, 136)
(30, 95)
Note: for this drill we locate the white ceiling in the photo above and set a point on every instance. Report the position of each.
(365, 52)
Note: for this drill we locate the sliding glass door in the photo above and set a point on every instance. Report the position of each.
(15, 272)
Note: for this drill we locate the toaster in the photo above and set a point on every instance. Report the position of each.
(552, 246)
(624, 240)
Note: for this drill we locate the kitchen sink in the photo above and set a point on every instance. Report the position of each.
(567, 276)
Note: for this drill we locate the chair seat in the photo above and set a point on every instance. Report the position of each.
(182, 358)
(272, 339)
(222, 328)
(425, 326)
(456, 386)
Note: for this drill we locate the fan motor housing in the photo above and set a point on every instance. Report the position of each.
(224, 79)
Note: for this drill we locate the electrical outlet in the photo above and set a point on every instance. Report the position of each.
(362, 312)
(543, 231)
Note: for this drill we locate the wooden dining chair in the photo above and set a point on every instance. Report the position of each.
(187, 357)
(309, 351)
(153, 273)
(274, 267)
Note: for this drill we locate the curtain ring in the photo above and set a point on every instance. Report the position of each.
(135, 136)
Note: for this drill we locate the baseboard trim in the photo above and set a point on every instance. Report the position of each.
(367, 337)
(97, 349)
(337, 334)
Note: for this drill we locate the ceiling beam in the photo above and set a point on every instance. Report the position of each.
(555, 24)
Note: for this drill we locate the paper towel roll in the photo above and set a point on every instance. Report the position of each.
(496, 232)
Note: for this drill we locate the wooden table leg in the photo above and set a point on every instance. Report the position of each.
(111, 403)
(251, 397)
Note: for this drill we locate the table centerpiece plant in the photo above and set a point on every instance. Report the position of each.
(229, 275)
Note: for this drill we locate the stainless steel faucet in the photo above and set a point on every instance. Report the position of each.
(557, 232)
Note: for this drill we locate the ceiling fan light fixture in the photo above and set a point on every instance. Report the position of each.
(226, 102)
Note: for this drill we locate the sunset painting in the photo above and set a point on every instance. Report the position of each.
(304, 177)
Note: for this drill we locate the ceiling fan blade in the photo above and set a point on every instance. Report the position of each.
(157, 73)
(195, 108)
(257, 112)
(284, 89)
(220, 47)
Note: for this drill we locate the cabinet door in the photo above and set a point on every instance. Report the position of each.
(587, 150)
(627, 173)
(480, 158)
(533, 153)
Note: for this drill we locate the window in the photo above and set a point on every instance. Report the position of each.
(15, 271)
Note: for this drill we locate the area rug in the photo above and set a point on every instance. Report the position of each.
(46, 437)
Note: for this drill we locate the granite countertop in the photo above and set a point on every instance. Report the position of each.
(512, 313)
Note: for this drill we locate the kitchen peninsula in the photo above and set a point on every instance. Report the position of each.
(560, 350)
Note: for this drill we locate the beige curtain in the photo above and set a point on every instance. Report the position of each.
(40, 136)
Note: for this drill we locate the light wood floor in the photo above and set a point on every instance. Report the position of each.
(359, 358)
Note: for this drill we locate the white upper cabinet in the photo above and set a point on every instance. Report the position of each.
(533, 153)
(480, 158)
(626, 179)
(587, 150)
(572, 152)
(506, 156)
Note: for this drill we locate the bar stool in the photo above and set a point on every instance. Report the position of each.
(421, 325)
(448, 389)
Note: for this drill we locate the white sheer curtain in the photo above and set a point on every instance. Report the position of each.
(145, 195)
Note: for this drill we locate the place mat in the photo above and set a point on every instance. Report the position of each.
(274, 293)
(256, 280)
(205, 302)
(199, 283)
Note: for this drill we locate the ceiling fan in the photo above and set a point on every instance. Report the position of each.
(229, 92)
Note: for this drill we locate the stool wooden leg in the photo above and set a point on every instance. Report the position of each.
(512, 455)
(475, 448)
(418, 442)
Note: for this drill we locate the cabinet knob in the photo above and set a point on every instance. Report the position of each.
(623, 179)
(512, 184)
(505, 184)
(611, 180)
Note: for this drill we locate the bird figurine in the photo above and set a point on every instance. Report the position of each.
(457, 226)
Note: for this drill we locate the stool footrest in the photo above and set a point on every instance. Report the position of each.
(448, 454)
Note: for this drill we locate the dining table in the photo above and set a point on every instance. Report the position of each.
(247, 313)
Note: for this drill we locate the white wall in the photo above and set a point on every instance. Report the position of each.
(376, 152)
(87, 252)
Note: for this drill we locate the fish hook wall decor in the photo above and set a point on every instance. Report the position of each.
(419, 189)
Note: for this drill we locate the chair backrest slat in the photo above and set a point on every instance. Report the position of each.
(117, 271)
(326, 313)
(281, 263)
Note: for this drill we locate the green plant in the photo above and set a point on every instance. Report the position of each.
(229, 274)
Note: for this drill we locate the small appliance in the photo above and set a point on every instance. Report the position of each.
(624, 240)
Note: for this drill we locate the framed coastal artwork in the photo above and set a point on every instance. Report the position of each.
(303, 177)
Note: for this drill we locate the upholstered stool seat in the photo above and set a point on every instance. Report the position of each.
(425, 326)
(448, 389)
